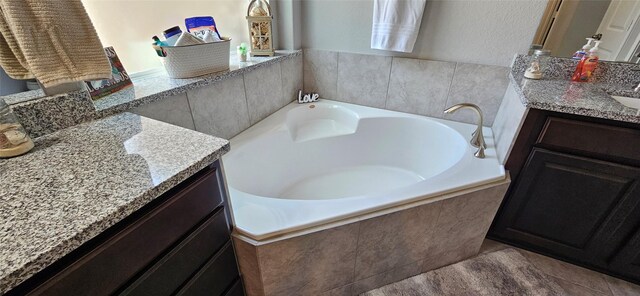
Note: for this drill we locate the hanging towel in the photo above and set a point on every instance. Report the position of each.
(396, 24)
(53, 41)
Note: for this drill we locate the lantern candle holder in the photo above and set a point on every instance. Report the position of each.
(260, 18)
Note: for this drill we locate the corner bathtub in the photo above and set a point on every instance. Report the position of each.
(315, 164)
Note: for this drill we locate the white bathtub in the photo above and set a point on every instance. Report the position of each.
(310, 165)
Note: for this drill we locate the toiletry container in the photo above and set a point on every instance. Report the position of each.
(171, 35)
(14, 140)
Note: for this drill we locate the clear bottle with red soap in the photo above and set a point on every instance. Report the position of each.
(587, 65)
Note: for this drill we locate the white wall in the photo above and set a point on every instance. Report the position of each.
(128, 25)
(475, 31)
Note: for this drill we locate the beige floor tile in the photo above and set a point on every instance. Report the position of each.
(577, 290)
(489, 246)
(569, 272)
(622, 288)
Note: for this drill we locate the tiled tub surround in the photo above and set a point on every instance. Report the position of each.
(415, 86)
(298, 234)
(258, 88)
(371, 251)
(53, 202)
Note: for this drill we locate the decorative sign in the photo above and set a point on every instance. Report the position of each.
(307, 98)
(119, 79)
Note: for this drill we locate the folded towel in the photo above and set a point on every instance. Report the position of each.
(396, 24)
(53, 41)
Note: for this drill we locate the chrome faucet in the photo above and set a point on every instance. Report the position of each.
(477, 139)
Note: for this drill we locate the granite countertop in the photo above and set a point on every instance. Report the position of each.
(588, 99)
(555, 92)
(79, 181)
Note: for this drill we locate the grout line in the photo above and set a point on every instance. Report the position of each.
(246, 98)
(355, 259)
(606, 280)
(386, 98)
(193, 120)
(446, 102)
(337, 98)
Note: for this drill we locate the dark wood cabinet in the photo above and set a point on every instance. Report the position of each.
(576, 193)
(181, 238)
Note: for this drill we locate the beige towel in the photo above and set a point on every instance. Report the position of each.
(53, 41)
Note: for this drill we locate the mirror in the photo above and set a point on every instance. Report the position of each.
(566, 24)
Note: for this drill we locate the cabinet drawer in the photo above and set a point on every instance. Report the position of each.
(215, 277)
(166, 275)
(103, 270)
(591, 139)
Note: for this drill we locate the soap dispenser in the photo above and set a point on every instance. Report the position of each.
(587, 65)
(578, 55)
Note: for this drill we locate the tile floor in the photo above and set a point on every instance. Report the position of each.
(573, 279)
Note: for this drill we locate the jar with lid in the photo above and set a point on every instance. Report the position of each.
(539, 62)
(14, 140)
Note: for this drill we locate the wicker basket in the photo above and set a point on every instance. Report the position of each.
(196, 60)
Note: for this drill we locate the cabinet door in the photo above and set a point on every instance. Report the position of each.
(627, 262)
(571, 207)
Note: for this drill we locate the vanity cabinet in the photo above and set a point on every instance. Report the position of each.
(177, 244)
(575, 192)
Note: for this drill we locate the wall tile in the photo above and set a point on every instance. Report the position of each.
(419, 86)
(220, 109)
(249, 267)
(507, 123)
(363, 79)
(309, 264)
(263, 87)
(174, 110)
(386, 278)
(462, 226)
(478, 84)
(321, 73)
(394, 240)
(291, 78)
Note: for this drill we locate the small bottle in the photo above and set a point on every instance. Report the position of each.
(587, 65)
(158, 42)
(242, 52)
(578, 55)
(171, 35)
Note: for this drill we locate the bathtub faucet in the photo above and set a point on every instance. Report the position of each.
(477, 139)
